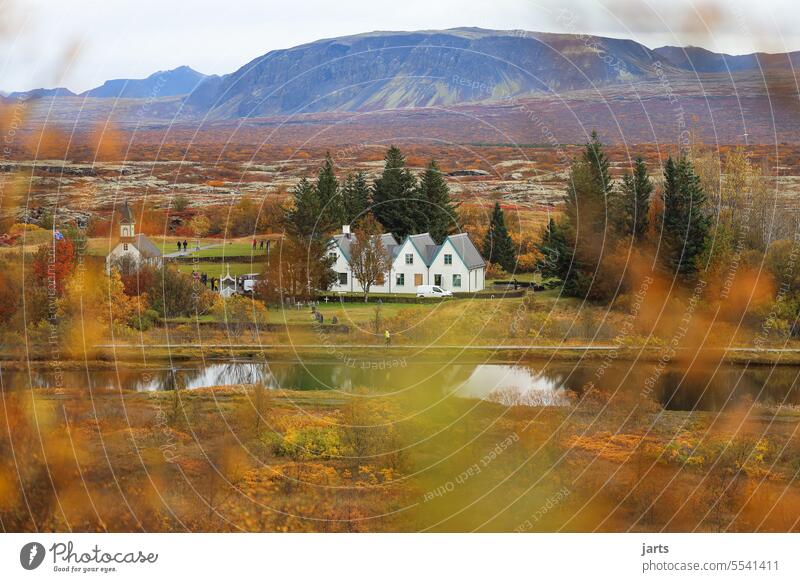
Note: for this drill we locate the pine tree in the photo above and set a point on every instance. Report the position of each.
(355, 197)
(327, 190)
(635, 198)
(498, 247)
(304, 217)
(441, 211)
(555, 257)
(596, 160)
(308, 233)
(590, 198)
(394, 197)
(685, 226)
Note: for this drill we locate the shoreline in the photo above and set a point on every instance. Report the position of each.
(137, 356)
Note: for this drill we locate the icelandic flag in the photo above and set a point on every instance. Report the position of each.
(57, 235)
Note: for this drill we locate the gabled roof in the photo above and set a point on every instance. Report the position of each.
(145, 246)
(424, 245)
(466, 250)
(345, 242)
(126, 216)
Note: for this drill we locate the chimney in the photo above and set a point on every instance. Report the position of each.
(346, 230)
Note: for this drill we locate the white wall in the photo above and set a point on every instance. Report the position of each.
(438, 267)
(399, 266)
(353, 284)
(341, 266)
(118, 252)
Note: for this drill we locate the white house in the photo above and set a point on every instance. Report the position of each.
(139, 249)
(455, 265)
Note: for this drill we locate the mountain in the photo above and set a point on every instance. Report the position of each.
(390, 70)
(383, 70)
(178, 81)
(698, 59)
(40, 94)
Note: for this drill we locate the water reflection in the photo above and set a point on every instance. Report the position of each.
(545, 384)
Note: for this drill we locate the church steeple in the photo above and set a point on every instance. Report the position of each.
(127, 224)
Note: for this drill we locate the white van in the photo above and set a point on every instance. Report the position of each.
(432, 291)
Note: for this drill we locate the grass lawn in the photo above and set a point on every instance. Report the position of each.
(347, 313)
(231, 249)
(220, 269)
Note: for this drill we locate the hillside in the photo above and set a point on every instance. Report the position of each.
(505, 78)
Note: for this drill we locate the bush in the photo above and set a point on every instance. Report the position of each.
(311, 442)
(176, 294)
(240, 314)
(145, 320)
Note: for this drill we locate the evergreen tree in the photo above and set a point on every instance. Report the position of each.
(327, 190)
(441, 211)
(597, 162)
(308, 234)
(685, 226)
(635, 198)
(394, 197)
(498, 247)
(590, 197)
(555, 259)
(355, 197)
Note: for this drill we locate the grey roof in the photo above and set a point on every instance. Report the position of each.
(430, 253)
(345, 242)
(422, 242)
(145, 246)
(126, 214)
(390, 244)
(466, 250)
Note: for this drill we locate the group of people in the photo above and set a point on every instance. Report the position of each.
(182, 245)
(260, 244)
(205, 280)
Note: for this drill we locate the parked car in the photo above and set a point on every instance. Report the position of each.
(432, 291)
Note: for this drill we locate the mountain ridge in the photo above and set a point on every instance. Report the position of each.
(386, 70)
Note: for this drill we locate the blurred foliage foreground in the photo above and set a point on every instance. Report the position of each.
(252, 459)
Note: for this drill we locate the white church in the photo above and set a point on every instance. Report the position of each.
(139, 249)
(455, 265)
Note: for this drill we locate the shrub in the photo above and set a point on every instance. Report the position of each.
(311, 442)
(240, 314)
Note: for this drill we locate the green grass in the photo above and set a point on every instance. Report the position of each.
(231, 249)
(347, 313)
(220, 269)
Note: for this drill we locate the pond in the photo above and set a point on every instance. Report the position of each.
(544, 383)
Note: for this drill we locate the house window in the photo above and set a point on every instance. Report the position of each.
(448, 259)
(124, 246)
(456, 281)
(409, 259)
(332, 256)
(400, 279)
(342, 278)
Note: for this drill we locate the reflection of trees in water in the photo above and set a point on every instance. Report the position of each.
(707, 389)
(519, 396)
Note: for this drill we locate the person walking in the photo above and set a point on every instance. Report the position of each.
(261, 244)
(387, 337)
(254, 244)
(185, 245)
(179, 246)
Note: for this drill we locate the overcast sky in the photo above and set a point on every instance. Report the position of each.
(81, 43)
